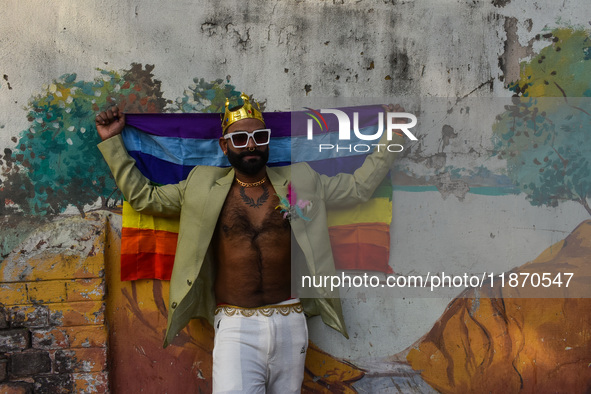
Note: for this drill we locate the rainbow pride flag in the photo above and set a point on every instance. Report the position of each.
(167, 146)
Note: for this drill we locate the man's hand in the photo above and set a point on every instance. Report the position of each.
(109, 123)
(393, 108)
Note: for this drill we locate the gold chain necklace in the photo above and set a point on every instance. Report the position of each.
(253, 184)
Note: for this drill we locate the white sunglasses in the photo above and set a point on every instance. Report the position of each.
(240, 138)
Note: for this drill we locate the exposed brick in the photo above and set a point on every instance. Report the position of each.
(91, 382)
(86, 289)
(16, 388)
(77, 313)
(3, 369)
(47, 291)
(16, 339)
(54, 384)
(3, 317)
(28, 315)
(13, 293)
(81, 360)
(54, 338)
(87, 336)
(29, 363)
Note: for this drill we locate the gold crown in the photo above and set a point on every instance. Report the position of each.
(245, 111)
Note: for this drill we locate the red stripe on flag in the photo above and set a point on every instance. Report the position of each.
(146, 266)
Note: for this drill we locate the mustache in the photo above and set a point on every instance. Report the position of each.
(255, 152)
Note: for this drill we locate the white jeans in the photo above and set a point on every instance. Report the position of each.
(260, 350)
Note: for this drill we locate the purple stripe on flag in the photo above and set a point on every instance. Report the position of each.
(200, 126)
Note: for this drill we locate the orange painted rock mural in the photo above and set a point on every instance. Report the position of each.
(495, 341)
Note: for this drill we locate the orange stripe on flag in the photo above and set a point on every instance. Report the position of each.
(138, 240)
(361, 246)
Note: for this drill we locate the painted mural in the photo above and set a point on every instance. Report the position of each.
(485, 341)
(54, 164)
(505, 340)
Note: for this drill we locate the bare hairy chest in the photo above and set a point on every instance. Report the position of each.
(251, 213)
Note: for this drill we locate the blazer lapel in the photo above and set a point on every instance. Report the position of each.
(226, 180)
(278, 180)
(216, 198)
(220, 188)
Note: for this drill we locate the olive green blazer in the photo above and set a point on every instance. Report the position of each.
(198, 201)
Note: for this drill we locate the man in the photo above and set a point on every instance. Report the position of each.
(234, 253)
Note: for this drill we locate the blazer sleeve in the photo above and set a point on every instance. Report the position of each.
(141, 194)
(346, 189)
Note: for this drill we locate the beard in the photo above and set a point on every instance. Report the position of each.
(251, 166)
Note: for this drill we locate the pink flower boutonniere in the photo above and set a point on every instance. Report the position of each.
(291, 207)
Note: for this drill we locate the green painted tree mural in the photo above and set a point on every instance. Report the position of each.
(58, 154)
(544, 135)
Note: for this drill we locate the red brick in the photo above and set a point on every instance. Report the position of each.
(16, 388)
(12, 340)
(54, 384)
(54, 338)
(77, 313)
(3, 369)
(13, 293)
(81, 360)
(86, 289)
(43, 292)
(91, 382)
(3, 317)
(28, 315)
(29, 363)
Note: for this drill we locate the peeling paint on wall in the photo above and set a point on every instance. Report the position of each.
(514, 53)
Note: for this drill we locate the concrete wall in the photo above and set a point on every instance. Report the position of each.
(441, 59)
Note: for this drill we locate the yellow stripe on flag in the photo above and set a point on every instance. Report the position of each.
(373, 211)
(133, 219)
